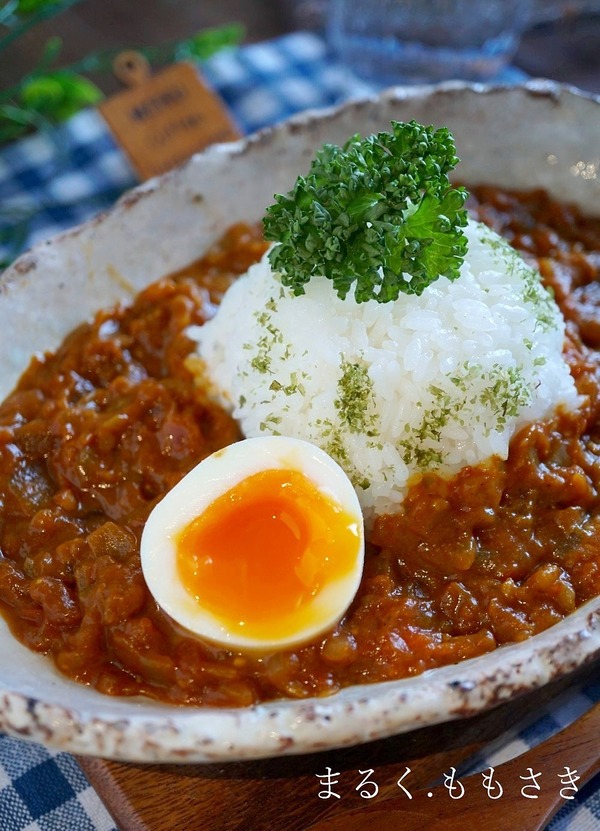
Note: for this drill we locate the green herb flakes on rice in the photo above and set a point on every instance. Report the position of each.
(424, 383)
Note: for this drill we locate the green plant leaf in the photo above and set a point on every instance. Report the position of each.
(59, 95)
(26, 7)
(208, 42)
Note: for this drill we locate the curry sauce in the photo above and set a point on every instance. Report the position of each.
(96, 433)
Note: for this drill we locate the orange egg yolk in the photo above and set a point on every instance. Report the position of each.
(262, 551)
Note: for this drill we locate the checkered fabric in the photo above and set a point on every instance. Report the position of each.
(45, 791)
(55, 180)
(582, 813)
(58, 179)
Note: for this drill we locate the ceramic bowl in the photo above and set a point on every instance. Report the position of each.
(537, 135)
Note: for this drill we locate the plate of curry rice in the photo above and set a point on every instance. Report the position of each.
(417, 308)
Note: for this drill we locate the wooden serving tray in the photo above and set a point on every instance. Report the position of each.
(283, 794)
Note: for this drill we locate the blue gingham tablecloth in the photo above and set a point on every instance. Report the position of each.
(53, 181)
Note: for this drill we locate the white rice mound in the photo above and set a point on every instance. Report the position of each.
(392, 390)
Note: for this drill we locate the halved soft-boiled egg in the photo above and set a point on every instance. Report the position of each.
(260, 546)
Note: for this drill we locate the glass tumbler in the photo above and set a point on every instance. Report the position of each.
(426, 41)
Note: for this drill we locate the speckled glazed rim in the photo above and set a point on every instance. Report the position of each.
(536, 135)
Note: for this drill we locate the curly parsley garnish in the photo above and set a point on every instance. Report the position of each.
(378, 212)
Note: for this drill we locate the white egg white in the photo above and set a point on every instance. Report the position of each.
(213, 477)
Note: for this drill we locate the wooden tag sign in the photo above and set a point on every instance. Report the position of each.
(162, 119)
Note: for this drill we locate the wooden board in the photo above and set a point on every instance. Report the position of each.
(274, 794)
